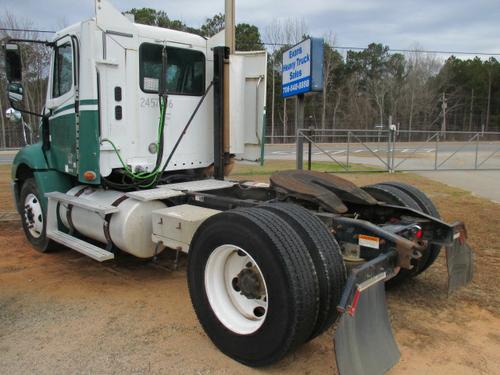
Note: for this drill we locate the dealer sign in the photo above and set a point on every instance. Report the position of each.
(302, 67)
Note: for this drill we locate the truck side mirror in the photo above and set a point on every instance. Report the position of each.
(13, 66)
(13, 115)
(15, 92)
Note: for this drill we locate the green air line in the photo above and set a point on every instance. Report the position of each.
(156, 170)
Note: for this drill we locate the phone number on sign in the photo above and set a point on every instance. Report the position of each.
(296, 87)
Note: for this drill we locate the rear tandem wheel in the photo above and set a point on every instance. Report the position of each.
(326, 255)
(407, 196)
(427, 207)
(253, 287)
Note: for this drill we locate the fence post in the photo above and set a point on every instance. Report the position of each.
(300, 150)
(309, 148)
(477, 151)
(348, 146)
(4, 143)
(393, 149)
(436, 153)
(391, 146)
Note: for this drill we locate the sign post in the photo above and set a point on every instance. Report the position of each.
(302, 71)
(299, 124)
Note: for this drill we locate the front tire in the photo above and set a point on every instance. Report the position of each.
(252, 285)
(33, 216)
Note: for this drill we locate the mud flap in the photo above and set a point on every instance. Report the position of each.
(459, 263)
(364, 342)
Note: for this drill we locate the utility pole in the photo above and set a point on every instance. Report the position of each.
(444, 105)
(229, 25)
(411, 114)
(489, 101)
(471, 109)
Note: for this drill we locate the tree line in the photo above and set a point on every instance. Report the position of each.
(363, 89)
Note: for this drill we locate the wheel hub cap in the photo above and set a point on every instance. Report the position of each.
(236, 289)
(33, 216)
(250, 284)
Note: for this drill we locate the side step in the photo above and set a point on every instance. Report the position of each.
(83, 247)
(72, 242)
(82, 202)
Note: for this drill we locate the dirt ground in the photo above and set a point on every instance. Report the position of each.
(63, 313)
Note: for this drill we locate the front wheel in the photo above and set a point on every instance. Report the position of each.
(253, 286)
(33, 216)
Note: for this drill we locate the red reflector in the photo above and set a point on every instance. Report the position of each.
(352, 309)
(89, 175)
(419, 233)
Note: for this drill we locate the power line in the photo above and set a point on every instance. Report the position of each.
(428, 51)
(28, 30)
(352, 48)
(401, 50)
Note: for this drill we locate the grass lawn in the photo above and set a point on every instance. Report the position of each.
(271, 166)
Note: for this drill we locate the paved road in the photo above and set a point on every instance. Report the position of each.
(484, 183)
(6, 156)
(6, 159)
(405, 148)
(409, 156)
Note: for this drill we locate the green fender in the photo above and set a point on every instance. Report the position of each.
(32, 157)
(30, 161)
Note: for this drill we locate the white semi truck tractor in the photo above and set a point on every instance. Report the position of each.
(139, 127)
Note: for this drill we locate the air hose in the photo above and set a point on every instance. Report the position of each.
(145, 176)
(151, 179)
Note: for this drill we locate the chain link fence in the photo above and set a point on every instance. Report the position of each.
(13, 136)
(391, 150)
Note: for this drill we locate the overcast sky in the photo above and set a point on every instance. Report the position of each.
(458, 25)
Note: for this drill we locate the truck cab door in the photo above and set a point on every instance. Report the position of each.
(62, 86)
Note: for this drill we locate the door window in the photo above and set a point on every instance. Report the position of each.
(63, 70)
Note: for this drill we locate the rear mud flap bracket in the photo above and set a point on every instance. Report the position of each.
(364, 342)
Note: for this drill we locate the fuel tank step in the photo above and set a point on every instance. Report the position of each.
(81, 202)
(82, 247)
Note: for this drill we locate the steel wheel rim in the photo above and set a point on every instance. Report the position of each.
(236, 289)
(33, 215)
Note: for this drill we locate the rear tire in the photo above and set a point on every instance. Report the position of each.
(427, 207)
(392, 195)
(273, 256)
(326, 255)
(33, 216)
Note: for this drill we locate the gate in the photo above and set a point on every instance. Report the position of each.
(387, 150)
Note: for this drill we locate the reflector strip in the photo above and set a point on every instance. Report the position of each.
(363, 286)
(375, 279)
(352, 308)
